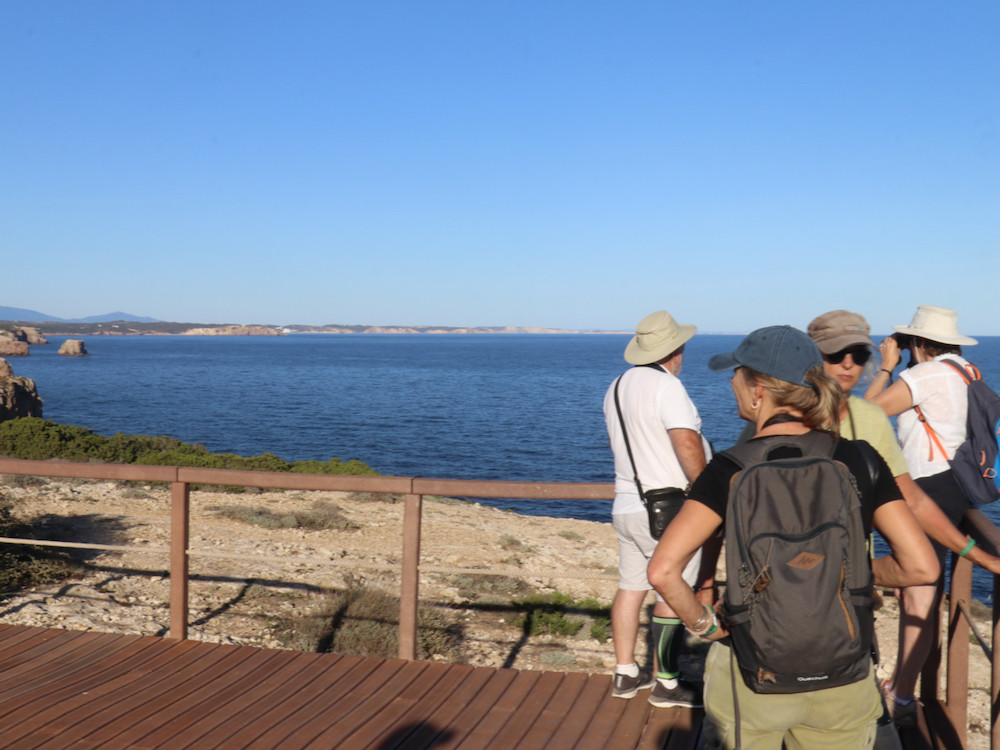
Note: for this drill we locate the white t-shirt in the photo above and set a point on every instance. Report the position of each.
(943, 397)
(652, 402)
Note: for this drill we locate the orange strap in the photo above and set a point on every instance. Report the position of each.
(934, 439)
(968, 374)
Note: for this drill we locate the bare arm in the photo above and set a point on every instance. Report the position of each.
(938, 527)
(889, 350)
(694, 525)
(912, 561)
(894, 400)
(689, 451)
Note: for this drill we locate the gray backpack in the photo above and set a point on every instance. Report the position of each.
(798, 598)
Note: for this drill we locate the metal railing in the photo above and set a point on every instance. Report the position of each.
(180, 479)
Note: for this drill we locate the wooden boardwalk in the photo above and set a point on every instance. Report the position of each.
(62, 689)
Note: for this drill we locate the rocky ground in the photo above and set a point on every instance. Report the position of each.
(260, 586)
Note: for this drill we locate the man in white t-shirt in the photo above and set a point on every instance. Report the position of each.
(664, 433)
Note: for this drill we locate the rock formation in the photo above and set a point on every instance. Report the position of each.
(73, 348)
(31, 335)
(18, 396)
(10, 346)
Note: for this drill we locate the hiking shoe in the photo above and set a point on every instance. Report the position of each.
(685, 695)
(904, 715)
(627, 687)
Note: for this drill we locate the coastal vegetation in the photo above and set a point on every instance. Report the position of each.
(33, 438)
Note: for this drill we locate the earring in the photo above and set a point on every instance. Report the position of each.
(755, 405)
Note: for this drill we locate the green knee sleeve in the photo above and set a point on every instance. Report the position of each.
(668, 637)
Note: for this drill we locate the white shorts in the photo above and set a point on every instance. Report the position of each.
(635, 547)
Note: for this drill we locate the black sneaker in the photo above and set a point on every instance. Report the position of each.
(685, 695)
(627, 687)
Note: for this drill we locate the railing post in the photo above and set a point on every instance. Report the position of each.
(957, 675)
(179, 501)
(930, 673)
(412, 512)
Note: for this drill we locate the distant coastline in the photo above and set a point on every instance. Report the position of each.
(161, 328)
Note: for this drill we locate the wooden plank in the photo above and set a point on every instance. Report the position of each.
(213, 728)
(435, 684)
(116, 692)
(127, 699)
(432, 729)
(77, 689)
(498, 716)
(353, 709)
(316, 697)
(672, 729)
(281, 704)
(606, 721)
(215, 698)
(545, 688)
(560, 709)
(477, 709)
(182, 694)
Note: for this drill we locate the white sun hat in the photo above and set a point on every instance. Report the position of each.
(936, 324)
(656, 336)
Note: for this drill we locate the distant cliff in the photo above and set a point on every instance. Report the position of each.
(18, 396)
(235, 331)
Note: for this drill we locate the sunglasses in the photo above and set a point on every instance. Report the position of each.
(860, 355)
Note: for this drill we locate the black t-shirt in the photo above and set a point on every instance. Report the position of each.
(711, 488)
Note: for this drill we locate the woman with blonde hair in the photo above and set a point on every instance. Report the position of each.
(779, 385)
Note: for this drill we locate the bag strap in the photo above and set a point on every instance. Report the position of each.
(628, 446)
(968, 374)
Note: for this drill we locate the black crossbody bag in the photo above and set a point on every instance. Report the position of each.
(662, 504)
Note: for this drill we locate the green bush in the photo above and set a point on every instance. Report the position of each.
(322, 516)
(364, 621)
(38, 439)
(23, 566)
(548, 614)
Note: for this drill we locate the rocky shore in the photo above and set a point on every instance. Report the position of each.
(248, 582)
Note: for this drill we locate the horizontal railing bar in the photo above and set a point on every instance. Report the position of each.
(294, 480)
(541, 490)
(82, 545)
(328, 482)
(133, 472)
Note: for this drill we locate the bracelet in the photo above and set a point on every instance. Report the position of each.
(702, 622)
(968, 548)
(706, 624)
(886, 371)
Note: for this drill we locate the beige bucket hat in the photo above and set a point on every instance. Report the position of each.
(838, 330)
(656, 336)
(936, 324)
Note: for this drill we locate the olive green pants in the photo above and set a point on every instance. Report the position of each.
(831, 719)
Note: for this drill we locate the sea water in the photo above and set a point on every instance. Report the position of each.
(469, 406)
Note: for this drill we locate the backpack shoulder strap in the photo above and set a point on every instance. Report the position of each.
(968, 373)
(812, 443)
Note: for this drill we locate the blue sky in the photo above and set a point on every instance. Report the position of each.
(558, 164)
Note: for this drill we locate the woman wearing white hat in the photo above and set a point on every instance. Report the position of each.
(931, 401)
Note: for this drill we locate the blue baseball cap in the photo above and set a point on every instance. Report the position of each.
(782, 352)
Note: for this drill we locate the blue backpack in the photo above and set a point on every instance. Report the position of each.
(976, 463)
